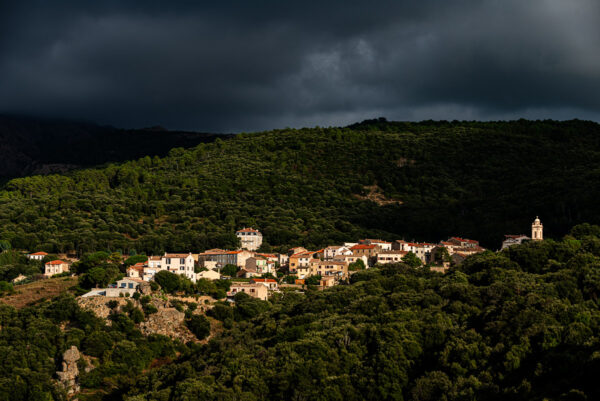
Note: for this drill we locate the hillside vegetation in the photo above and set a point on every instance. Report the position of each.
(520, 325)
(40, 145)
(523, 324)
(315, 187)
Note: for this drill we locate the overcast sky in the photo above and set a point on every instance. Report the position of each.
(254, 65)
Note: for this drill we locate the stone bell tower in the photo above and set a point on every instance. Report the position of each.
(537, 230)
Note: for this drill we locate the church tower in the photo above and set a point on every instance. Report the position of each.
(537, 230)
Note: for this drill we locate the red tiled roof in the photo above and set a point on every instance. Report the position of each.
(263, 280)
(137, 266)
(39, 253)
(56, 262)
(363, 246)
(176, 255)
(305, 254)
(247, 230)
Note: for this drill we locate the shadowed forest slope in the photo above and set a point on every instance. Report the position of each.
(320, 186)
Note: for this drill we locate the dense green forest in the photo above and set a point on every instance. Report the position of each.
(522, 324)
(320, 186)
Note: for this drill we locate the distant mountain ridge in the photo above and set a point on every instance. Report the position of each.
(31, 145)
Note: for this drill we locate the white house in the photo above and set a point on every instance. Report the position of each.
(332, 251)
(37, 255)
(250, 238)
(510, 240)
(179, 263)
(154, 262)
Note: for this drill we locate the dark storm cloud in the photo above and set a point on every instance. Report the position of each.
(240, 66)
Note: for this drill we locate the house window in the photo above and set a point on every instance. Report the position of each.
(181, 261)
(168, 261)
(130, 285)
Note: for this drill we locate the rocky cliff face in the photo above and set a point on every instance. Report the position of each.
(69, 375)
(167, 321)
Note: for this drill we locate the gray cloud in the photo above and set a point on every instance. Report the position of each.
(241, 66)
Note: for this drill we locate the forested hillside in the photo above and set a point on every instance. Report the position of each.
(521, 325)
(316, 187)
(40, 146)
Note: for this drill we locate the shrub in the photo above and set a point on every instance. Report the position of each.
(199, 325)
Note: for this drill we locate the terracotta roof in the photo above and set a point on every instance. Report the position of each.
(56, 262)
(363, 246)
(394, 252)
(247, 230)
(39, 253)
(137, 266)
(306, 254)
(154, 257)
(379, 241)
(263, 280)
(176, 255)
(267, 255)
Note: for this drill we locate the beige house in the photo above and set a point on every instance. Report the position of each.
(209, 275)
(136, 271)
(283, 259)
(324, 268)
(351, 259)
(254, 290)
(299, 260)
(270, 283)
(327, 281)
(368, 251)
(303, 271)
(391, 256)
(250, 238)
(55, 267)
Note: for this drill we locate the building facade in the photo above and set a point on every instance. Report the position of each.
(250, 238)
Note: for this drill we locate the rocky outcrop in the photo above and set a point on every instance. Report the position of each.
(99, 306)
(167, 322)
(69, 375)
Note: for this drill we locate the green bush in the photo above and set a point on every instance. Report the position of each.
(199, 325)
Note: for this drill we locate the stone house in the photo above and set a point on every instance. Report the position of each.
(250, 238)
(55, 267)
(254, 290)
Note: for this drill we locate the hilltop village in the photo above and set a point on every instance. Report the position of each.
(259, 274)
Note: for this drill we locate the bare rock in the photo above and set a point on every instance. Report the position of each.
(70, 372)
